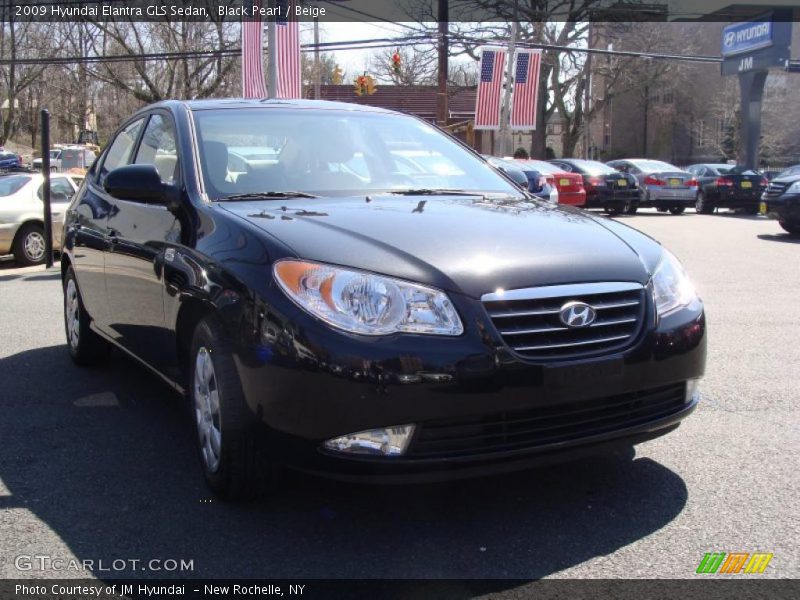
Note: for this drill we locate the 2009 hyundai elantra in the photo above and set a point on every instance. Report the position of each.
(351, 292)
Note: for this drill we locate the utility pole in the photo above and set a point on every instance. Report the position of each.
(442, 111)
(317, 69)
(506, 142)
(587, 96)
(272, 64)
(646, 110)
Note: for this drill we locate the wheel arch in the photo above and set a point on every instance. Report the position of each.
(192, 310)
(22, 226)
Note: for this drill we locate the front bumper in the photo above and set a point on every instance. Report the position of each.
(306, 384)
(785, 207)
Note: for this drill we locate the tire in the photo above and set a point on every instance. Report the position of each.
(614, 210)
(702, 205)
(792, 228)
(751, 210)
(631, 208)
(86, 348)
(29, 245)
(230, 446)
(677, 210)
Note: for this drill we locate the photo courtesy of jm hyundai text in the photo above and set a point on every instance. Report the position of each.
(353, 293)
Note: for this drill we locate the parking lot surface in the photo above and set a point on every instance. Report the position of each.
(99, 464)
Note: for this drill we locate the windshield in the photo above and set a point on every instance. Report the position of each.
(12, 184)
(55, 153)
(321, 152)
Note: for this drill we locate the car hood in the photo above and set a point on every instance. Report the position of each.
(460, 244)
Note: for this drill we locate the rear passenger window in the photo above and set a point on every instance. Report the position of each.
(158, 148)
(119, 154)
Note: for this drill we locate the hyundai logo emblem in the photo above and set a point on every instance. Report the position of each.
(729, 38)
(577, 314)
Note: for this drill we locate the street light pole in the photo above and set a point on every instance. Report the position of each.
(442, 111)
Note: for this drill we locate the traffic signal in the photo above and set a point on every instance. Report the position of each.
(396, 60)
(364, 85)
(371, 87)
(336, 78)
(360, 85)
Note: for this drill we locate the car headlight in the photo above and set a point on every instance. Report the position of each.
(671, 285)
(366, 303)
(794, 188)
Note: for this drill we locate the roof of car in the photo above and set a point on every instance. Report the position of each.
(233, 103)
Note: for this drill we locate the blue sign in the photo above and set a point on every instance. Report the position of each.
(746, 37)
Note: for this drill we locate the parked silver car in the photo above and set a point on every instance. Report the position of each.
(21, 214)
(662, 185)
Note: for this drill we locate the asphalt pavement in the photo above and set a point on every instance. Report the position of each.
(98, 464)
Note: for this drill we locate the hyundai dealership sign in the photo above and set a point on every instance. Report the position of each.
(746, 37)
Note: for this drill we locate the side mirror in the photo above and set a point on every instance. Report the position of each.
(140, 183)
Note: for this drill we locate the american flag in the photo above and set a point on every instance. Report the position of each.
(252, 57)
(487, 107)
(526, 89)
(287, 41)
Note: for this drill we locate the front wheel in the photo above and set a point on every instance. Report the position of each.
(232, 452)
(85, 346)
(702, 205)
(677, 210)
(793, 228)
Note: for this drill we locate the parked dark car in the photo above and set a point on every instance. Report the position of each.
(781, 201)
(512, 172)
(528, 179)
(338, 312)
(727, 186)
(605, 187)
(661, 185)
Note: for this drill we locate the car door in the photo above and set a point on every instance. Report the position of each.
(89, 224)
(61, 192)
(139, 234)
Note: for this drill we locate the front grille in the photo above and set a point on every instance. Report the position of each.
(558, 424)
(776, 188)
(528, 320)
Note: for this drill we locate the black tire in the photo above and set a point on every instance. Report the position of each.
(631, 208)
(29, 245)
(677, 210)
(242, 469)
(793, 228)
(614, 210)
(86, 348)
(751, 210)
(702, 205)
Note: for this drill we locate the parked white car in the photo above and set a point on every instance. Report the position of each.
(21, 213)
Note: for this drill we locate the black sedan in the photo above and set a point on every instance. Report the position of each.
(727, 186)
(337, 309)
(605, 187)
(781, 201)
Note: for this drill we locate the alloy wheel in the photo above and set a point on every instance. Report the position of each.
(207, 411)
(72, 312)
(34, 246)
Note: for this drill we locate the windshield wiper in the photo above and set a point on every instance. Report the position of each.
(267, 196)
(433, 192)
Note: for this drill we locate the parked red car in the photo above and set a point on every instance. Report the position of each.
(569, 185)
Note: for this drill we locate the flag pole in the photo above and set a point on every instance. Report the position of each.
(272, 65)
(506, 142)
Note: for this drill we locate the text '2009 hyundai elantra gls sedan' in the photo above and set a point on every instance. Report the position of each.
(351, 292)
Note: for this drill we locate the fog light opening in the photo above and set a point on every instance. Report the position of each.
(387, 441)
(692, 389)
